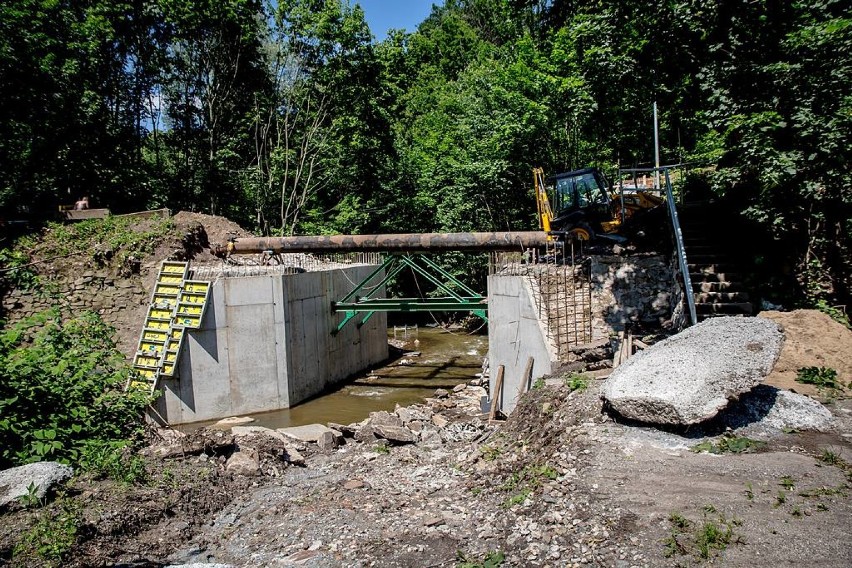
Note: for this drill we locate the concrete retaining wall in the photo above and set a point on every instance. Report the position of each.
(265, 343)
(515, 333)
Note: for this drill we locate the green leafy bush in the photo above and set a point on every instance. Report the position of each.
(16, 271)
(825, 377)
(62, 390)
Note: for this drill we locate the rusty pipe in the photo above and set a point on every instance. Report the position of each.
(411, 242)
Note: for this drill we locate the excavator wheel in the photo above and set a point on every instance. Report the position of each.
(581, 232)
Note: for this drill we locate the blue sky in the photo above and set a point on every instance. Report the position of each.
(382, 15)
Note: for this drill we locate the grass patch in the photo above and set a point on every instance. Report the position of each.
(703, 540)
(493, 559)
(52, 536)
(490, 453)
(577, 382)
(525, 482)
(787, 482)
(729, 444)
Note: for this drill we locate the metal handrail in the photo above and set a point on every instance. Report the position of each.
(681, 251)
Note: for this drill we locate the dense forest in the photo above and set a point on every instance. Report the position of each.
(288, 117)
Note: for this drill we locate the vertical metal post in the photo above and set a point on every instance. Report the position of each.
(656, 149)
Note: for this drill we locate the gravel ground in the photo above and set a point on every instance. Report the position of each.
(560, 484)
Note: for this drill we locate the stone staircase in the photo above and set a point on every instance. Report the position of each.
(717, 267)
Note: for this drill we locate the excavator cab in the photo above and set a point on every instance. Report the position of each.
(583, 206)
(586, 208)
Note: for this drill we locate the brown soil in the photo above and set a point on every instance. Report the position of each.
(811, 339)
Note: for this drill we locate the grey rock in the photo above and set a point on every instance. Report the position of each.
(307, 433)
(441, 393)
(227, 423)
(294, 457)
(383, 418)
(396, 434)
(769, 407)
(348, 431)
(688, 378)
(439, 420)
(327, 441)
(365, 434)
(15, 482)
(244, 462)
(251, 431)
(459, 387)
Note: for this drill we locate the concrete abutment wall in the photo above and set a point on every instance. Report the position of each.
(527, 319)
(266, 343)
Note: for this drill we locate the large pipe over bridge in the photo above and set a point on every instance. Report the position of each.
(411, 242)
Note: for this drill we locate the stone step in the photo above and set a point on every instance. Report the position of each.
(721, 297)
(728, 308)
(697, 268)
(698, 278)
(724, 286)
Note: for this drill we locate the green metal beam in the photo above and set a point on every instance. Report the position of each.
(413, 304)
(466, 301)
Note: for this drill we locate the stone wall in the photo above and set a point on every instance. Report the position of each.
(631, 290)
(121, 302)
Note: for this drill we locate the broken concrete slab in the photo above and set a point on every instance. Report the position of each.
(250, 431)
(43, 476)
(688, 378)
(766, 407)
(395, 434)
(306, 433)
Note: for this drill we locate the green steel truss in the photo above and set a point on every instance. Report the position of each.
(460, 298)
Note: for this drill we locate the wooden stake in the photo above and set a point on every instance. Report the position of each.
(498, 392)
(526, 378)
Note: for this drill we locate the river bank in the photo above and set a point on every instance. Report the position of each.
(559, 484)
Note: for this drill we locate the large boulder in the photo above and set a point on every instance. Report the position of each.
(43, 476)
(688, 378)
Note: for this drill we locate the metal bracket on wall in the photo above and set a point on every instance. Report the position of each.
(460, 298)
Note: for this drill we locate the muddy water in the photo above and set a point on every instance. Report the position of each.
(446, 359)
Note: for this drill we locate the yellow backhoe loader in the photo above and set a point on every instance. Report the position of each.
(586, 207)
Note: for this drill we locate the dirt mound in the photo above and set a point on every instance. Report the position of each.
(217, 230)
(812, 339)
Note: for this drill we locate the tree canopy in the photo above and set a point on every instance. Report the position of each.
(290, 119)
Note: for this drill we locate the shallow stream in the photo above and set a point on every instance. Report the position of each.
(446, 358)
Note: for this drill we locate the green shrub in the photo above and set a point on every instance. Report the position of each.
(837, 314)
(825, 377)
(105, 239)
(62, 390)
(16, 271)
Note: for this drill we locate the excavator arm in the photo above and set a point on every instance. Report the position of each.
(545, 213)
